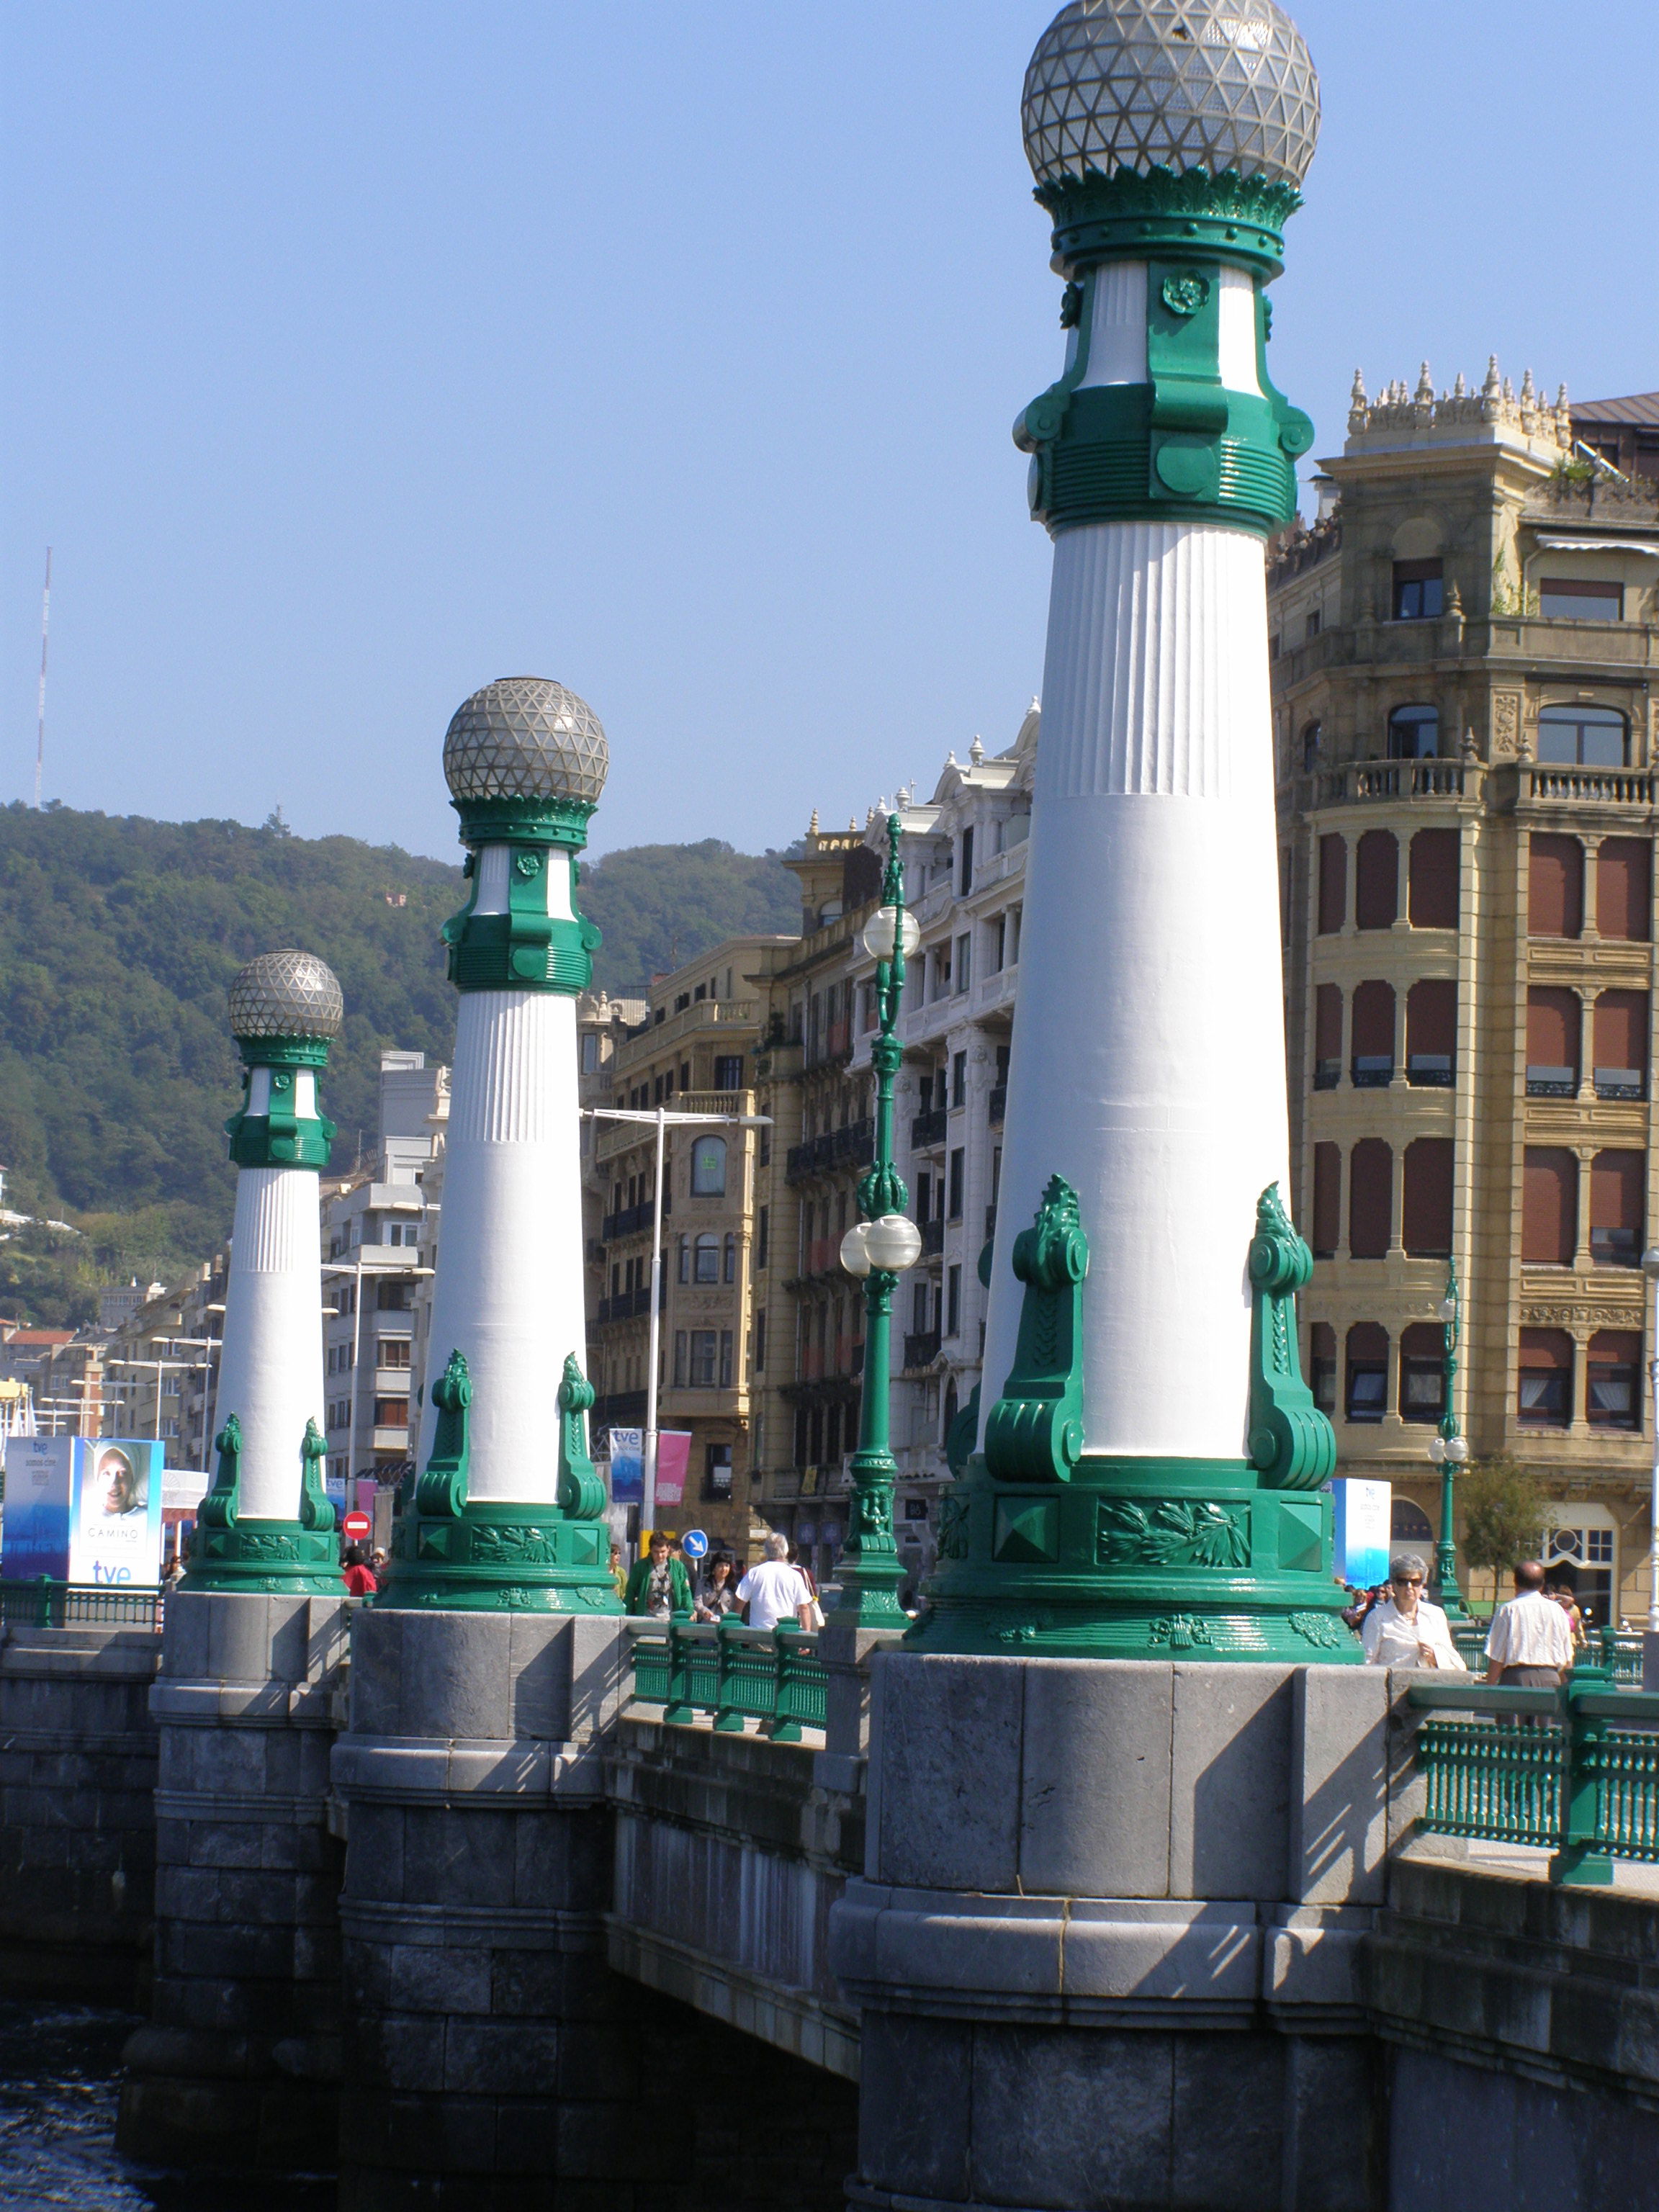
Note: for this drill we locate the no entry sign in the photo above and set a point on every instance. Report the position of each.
(355, 1527)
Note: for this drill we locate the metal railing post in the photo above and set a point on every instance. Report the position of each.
(1583, 1859)
(677, 1712)
(728, 1711)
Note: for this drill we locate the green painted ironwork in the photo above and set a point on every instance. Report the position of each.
(1447, 1595)
(734, 1674)
(527, 948)
(44, 1603)
(1181, 446)
(451, 1551)
(228, 1551)
(871, 1572)
(1574, 1772)
(281, 1137)
(1047, 1547)
(1619, 1652)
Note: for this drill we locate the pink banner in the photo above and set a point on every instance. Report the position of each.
(673, 1459)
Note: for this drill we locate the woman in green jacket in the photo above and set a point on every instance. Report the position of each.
(659, 1584)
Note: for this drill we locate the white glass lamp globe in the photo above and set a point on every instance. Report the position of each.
(853, 1256)
(893, 1243)
(1650, 1261)
(1447, 1309)
(880, 933)
(1457, 1449)
(1436, 1448)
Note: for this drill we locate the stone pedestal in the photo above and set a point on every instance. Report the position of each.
(240, 2064)
(1106, 1949)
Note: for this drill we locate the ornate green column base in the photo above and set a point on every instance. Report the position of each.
(499, 1555)
(273, 1556)
(871, 1572)
(1136, 1558)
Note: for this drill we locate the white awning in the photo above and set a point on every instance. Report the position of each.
(1645, 546)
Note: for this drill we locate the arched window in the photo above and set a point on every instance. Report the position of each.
(1376, 880)
(1370, 1198)
(1422, 1371)
(685, 1260)
(707, 1269)
(1555, 886)
(1367, 1394)
(730, 1268)
(708, 1167)
(1408, 1523)
(1373, 1037)
(1432, 870)
(1431, 1033)
(1426, 1198)
(1582, 737)
(1414, 733)
(1333, 883)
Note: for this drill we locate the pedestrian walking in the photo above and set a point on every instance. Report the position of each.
(718, 1594)
(359, 1575)
(618, 1571)
(659, 1585)
(1530, 1643)
(775, 1591)
(1405, 1629)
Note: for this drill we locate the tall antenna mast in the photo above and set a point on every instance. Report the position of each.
(40, 711)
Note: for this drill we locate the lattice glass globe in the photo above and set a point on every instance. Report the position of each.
(1173, 84)
(880, 934)
(526, 737)
(286, 994)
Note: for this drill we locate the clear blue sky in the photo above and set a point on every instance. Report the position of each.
(357, 354)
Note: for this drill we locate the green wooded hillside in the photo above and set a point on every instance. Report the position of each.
(119, 938)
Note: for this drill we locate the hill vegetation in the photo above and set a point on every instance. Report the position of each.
(119, 938)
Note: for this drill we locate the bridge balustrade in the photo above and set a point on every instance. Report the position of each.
(774, 1677)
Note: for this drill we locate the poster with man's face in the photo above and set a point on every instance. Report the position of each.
(116, 1520)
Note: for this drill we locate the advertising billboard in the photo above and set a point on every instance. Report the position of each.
(627, 1466)
(83, 1509)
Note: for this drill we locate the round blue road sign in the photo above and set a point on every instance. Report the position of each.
(694, 1543)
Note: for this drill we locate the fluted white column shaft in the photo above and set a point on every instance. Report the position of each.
(1148, 1063)
(270, 1369)
(508, 1293)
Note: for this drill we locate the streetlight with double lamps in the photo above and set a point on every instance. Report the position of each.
(876, 1250)
(661, 1120)
(1651, 1269)
(1449, 1451)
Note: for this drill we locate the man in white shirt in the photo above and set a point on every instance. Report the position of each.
(775, 1591)
(1530, 1646)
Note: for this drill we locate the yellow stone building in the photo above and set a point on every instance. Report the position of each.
(1464, 648)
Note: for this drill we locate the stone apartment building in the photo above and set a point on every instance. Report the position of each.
(691, 1053)
(1463, 656)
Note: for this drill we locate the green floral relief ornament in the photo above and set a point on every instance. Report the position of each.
(451, 1551)
(1047, 1547)
(230, 1552)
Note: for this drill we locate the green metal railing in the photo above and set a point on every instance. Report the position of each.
(736, 1674)
(1575, 1770)
(47, 1604)
(1617, 1650)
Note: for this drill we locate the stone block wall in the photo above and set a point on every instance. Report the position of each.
(240, 2063)
(77, 1828)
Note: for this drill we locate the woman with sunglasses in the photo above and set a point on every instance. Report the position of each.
(1405, 1629)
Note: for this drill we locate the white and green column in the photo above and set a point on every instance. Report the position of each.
(266, 1524)
(1149, 1464)
(505, 1508)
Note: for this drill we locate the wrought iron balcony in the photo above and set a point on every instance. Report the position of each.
(927, 1129)
(853, 1147)
(1371, 1071)
(1547, 1081)
(1431, 1071)
(1327, 1073)
(921, 1347)
(1620, 1083)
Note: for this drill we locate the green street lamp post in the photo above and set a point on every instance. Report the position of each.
(1448, 1451)
(879, 1248)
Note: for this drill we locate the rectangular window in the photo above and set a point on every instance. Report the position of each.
(1419, 590)
(681, 1368)
(1612, 1387)
(1555, 886)
(392, 1413)
(763, 1237)
(1549, 1206)
(959, 1078)
(1333, 883)
(717, 1473)
(958, 1175)
(725, 1358)
(964, 962)
(394, 1352)
(1570, 598)
(1327, 1037)
(1326, 1201)
(1620, 1042)
(1544, 1399)
(704, 1352)
(1624, 888)
(1426, 1198)
(1016, 918)
(760, 1344)
(1552, 1040)
(1431, 885)
(967, 862)
(728, 1071)
(1617, 1206)
(919, 1309)
(1310, 626)
(1368, 1383)
(952, 1301)
(589, 1053)
(998, 945)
